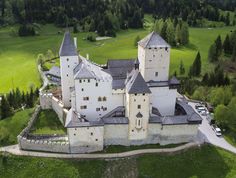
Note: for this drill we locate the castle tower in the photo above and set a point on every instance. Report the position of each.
(68, 61)
(154, 58)
(137, 105)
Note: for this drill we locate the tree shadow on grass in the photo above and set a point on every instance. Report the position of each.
(204, 162)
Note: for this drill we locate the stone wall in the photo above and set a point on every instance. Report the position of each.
(43, 145)
(49, 145)
(157, 133)
(86, 139)
(48, 101)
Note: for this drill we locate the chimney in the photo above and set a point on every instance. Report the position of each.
(75, 42)
(87, 56)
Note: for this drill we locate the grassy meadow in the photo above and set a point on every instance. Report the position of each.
(204, 162)
(18, 55)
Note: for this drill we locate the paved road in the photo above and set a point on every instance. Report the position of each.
(209, 135)
(14, 149)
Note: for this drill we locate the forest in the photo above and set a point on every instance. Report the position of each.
(106, 17)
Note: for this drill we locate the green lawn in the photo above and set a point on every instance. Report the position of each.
(18, 55)
(48, 123)
(12, 126)
(205, 162)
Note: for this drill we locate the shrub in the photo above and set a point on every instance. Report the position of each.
(26, 30)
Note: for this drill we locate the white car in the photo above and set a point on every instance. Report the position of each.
(217, 130)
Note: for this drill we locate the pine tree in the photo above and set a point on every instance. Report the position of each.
(164, 31)
(196, 67)
(181, 68)
(227, 45)
(178, 34)
(136, 40)
(234, 54)
(212, 54)
(184, 34)
(6, 110)
(205, 79)
(218, 43)
(170, 33)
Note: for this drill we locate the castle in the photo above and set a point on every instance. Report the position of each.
(125, 102)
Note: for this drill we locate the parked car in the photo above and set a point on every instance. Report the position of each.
(209, 107)
(217, 130)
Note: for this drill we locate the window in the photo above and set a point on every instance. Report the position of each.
(86, 98)
(91, 133)
(139, 106)
(156, 74)
(138, 124)
(83, 107)
(166, 48)
(96, 84)
(97, 109)
(105, 108)
(67, 75)
(74, 134)
(69, 100)
(99, 98)
(67, 59)
(84, 80)
(143, 94)
(80, 81)
(153, 55)
(135, 94)
(96, 140)
(88, 80)
(68, 66)
(104, 98)
(82, 89)
(134, 100)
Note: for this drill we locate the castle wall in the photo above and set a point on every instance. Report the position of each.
(163, 99)
(94, 89)
(116, 134)
(43, 145)
(86, 139)
(45, 100)
(171, 134)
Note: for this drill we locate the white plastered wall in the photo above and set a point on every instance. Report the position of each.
(67, 65)
(88, 88)
(132, 101)
(152, 61)
(164, 99)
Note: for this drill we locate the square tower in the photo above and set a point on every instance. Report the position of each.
(154, 58)
(68, 61)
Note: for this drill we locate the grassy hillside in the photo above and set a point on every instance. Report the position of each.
(12, 126)
(18, 55)
(206, 162)
(48, 123)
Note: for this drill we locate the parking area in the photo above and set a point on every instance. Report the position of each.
(208, 134)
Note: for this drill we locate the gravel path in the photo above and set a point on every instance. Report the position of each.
(14, 149)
